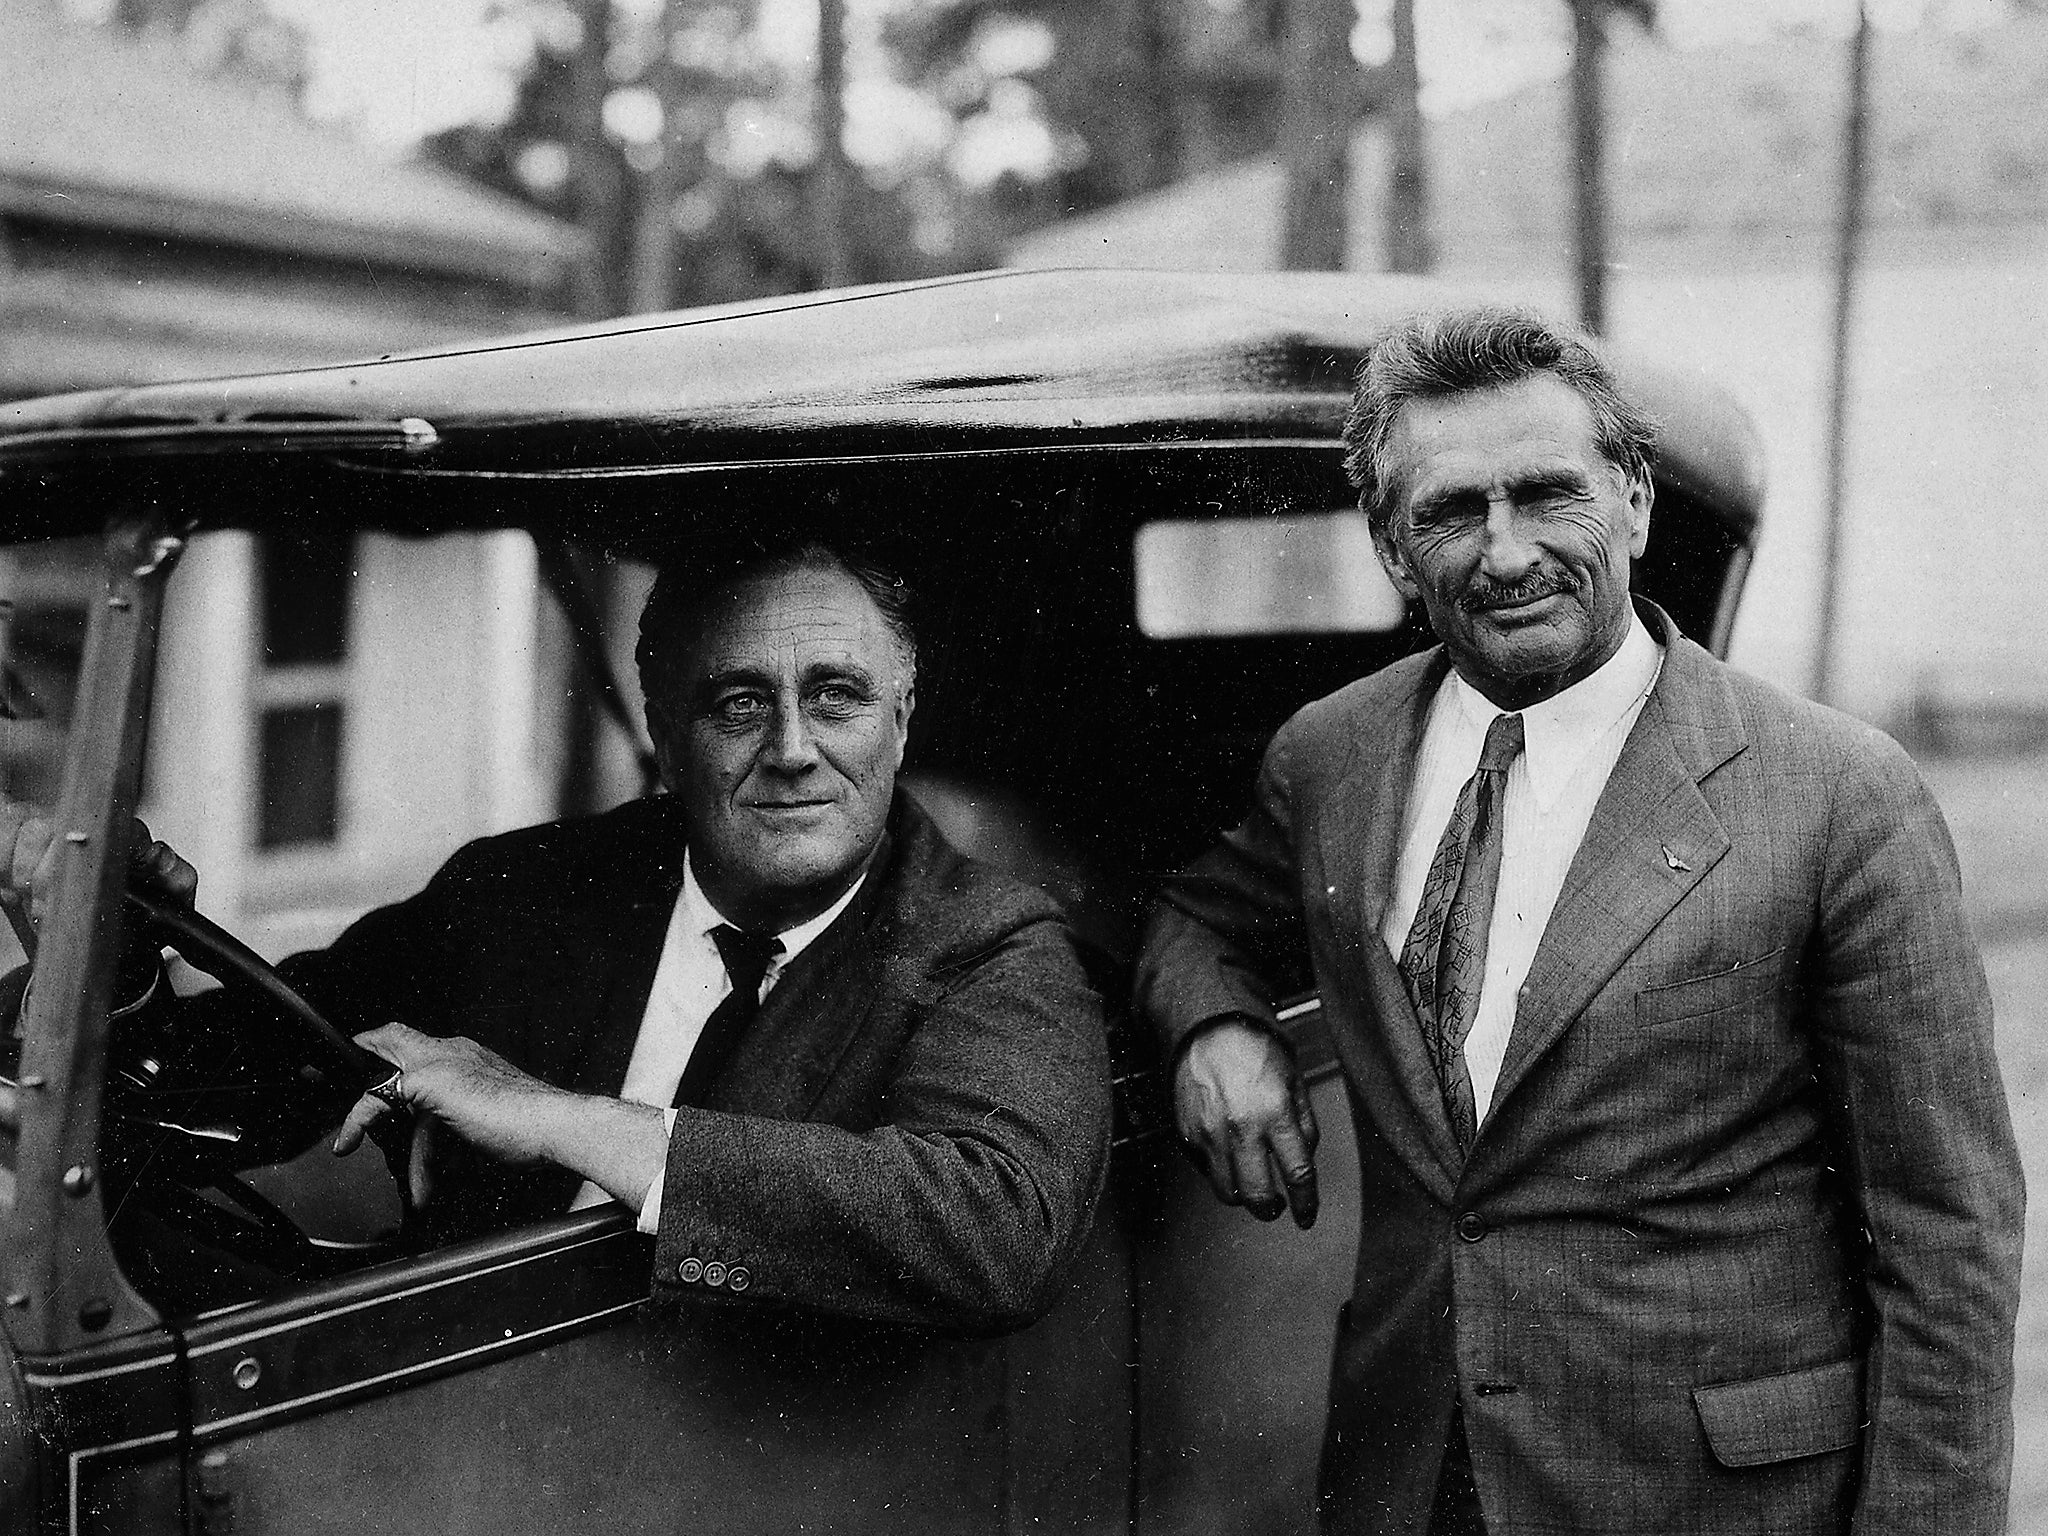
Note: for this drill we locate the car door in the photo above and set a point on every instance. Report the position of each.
(524, 1384)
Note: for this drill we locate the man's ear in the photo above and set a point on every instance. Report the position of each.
(906, 702)
(1391, 562)
(1641, 494)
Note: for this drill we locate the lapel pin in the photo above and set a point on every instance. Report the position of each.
(1674, 861)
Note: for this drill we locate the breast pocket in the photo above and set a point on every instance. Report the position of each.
(1745, 984)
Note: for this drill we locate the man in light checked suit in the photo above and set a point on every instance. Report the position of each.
(1690, 1199)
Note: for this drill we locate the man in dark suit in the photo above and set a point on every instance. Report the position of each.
(1690, 1200)
(829, 1061)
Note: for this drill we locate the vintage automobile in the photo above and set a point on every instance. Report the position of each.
(1120, 499)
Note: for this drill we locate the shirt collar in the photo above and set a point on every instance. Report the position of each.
(700, 916)
(1559, 732)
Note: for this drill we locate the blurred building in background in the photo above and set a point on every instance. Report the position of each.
(1725, 167)
(159, 221)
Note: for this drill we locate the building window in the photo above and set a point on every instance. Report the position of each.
(304, 583)
(301, 749)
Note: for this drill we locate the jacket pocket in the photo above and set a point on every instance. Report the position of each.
(1780, 1418)
(1744, 982)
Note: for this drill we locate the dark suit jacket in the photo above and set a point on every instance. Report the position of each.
(914, 1128)
(1737, 1247)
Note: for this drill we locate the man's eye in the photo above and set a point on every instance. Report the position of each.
(736, 708)
(1546, 498)
(839, 697)
(1439, 516)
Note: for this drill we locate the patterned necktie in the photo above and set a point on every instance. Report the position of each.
(1444, 959)
(746, 956)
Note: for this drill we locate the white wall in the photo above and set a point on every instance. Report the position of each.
(440, 741)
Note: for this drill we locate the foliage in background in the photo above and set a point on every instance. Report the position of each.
(685, 135)
(967, 123)
(241, 39)
(683, 119)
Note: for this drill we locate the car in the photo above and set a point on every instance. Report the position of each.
(1119, 496)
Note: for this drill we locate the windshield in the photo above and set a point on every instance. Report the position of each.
(45, 594)
(45, 591)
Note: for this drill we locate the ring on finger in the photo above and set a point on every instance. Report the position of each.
(391, 1090)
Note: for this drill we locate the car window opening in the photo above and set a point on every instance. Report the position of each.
(1305, 573)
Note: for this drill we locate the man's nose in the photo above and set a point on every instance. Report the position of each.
(789, 746)
(1506, 551)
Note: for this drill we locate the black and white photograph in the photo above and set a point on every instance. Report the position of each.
(1165, 767)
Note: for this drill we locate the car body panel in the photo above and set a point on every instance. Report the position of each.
(541, 1351)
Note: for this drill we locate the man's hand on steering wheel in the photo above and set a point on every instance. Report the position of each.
(477, 1093)
(28, 847)
(155, 868)
(618, 1145)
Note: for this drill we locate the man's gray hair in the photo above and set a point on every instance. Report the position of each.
(1453, 352)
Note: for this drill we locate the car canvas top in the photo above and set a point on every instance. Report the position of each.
(985, 364)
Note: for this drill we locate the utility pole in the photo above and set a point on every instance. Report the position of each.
(1149, 47)
(1317, 115)
(834, 189)
(1848, 251)
(592, 165)
(597, 177)
(1589, 168)
(1589, 147)
(1409, 247)
(654, 233)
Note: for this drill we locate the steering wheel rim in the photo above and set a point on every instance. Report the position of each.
(249, 1228)
(214, 943)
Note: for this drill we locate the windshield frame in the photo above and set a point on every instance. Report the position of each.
(60, 1286)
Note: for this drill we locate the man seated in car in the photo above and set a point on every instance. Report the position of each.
(829, 1061)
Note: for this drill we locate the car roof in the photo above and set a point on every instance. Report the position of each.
(865, 380)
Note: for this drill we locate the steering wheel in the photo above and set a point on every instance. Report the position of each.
(191, 1104)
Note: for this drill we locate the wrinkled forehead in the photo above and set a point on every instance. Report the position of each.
(786, 621)
(1478, 438)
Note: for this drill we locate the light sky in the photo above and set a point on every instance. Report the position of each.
(395, 70)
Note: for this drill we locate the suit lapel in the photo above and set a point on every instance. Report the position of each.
(1361, 845)
(1652, 839)
(1359, 821)
(624, 987)
(618, 930)
(627, 949)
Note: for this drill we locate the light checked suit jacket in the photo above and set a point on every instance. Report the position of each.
(1737, 1246)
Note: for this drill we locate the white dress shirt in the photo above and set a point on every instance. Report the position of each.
(1571, 742)
(689, 983)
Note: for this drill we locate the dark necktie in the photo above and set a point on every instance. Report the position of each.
(746, 956)
(1444, 958)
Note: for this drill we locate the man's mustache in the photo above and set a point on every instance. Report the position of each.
(1495, 594)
